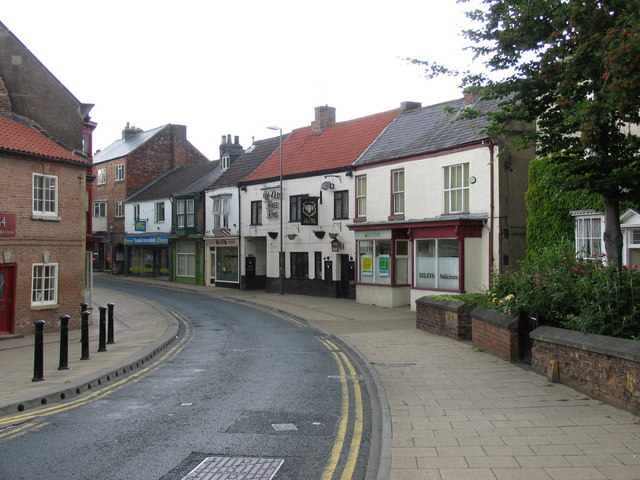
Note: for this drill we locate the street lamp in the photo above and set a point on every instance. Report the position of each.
(281, 253)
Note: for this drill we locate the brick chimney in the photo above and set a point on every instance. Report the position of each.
(5, 101)
(130, 130)
(325, 117)
(229, 148)
(408, 106)
(471, 95)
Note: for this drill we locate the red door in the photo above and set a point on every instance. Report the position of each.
(7, 298)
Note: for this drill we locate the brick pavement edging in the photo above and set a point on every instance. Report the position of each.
(605, 368)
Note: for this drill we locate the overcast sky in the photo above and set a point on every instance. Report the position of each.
(238, 66)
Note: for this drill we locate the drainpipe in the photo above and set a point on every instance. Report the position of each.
(491, 209)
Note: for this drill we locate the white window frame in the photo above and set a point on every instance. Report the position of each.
(45, 195)
(44, 284)
(185, 213)
(221, 207)
(159, 212)
(361, 196)
(120, 172)
(397, 190)
(102, 176)
(186, 259)
(119, 209)
(99, 209)
(456, 188)
(225, 162)
(589, 236)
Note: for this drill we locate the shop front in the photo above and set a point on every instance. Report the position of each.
(147, 255)
(223, 262)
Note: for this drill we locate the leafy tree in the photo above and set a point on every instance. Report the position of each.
(573, 67)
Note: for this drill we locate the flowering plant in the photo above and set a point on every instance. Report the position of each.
(566, 290)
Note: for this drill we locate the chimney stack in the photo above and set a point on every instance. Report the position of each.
(325, 117)
(408, 106)
(471, 95)
(130, 130)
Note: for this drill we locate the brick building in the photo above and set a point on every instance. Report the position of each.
(122, 169)
(44, 131)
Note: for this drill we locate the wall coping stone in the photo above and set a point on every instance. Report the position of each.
(444, 304)
(612, 346)
(495, 318)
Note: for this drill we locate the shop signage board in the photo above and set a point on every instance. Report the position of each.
(7, 225)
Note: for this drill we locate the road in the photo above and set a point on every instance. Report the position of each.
(242, 385)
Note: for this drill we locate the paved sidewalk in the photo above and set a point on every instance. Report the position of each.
(456, 413)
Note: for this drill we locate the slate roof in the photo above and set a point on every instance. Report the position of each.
(17, 135)
(123, 147)
(246, 163)
(427, 130)
(339, 145)
(175, 181)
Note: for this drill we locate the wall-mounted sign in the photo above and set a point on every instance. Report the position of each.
(149, 240)
(141, 226)
(225, 242)
(336, 245)
(272, 201)
(309, 209)
(383, 265)
(7, 225)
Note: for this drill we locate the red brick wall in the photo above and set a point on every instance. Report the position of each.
(449, 319)
(605, 368)
(495, 338)
(64, 239)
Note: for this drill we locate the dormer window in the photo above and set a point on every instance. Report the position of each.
(226, 162)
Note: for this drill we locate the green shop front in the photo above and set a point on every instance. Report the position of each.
(147, 255)
(188, 260)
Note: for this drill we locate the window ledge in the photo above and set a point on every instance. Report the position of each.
(399, 216)
(46, 218)
(49, 306)
(360, 219)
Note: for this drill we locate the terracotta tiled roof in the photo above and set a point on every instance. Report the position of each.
(19, 137)
(339, 145)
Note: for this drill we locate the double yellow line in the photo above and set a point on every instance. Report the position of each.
(16, 425)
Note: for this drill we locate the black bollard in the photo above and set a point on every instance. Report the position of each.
(64, 343)
(84, 307)
(38, 356)
(102, 339)
(84, 335)
(110, 323)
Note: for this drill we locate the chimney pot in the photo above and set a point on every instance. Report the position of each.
(236, 139)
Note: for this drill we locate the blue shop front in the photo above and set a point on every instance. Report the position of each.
(147, 255)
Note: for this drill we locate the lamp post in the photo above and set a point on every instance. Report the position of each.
(281, 253)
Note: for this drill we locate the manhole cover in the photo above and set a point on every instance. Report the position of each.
(236, 468)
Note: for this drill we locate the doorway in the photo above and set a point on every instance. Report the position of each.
(7, 298)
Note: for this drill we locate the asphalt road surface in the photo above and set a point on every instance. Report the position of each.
(242, 386)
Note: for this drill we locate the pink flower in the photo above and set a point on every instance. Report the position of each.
(634, 268)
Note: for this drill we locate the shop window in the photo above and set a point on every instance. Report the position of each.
(299, 264)
(227, 264)
(456, 188)
(375, 261)
(402, 262)
(44, 284)
(186, 259)
(437, 264)
(341, 205)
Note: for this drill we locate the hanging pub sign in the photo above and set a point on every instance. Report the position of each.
(309, 207)
(336, 245)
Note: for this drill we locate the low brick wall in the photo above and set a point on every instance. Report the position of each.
(496, 333)
(602, 367)
(449, 319)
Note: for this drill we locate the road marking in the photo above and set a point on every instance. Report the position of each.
(108, 389)
(21, 430)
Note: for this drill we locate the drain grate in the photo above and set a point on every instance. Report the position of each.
(239, 468)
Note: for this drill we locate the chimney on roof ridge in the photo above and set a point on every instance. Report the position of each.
(325, 117)
(408, 106)
(229, 149)
(471, 95)
(130, 130)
